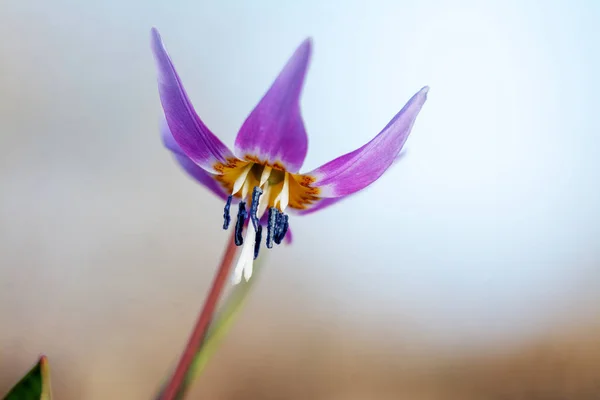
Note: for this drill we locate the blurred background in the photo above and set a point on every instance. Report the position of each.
(469, 271)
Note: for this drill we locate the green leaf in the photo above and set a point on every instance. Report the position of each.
(35, 385)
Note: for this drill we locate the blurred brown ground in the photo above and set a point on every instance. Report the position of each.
(564, 365)
(327, 365)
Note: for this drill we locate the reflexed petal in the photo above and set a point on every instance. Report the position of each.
(194, 138)
(320, 204)
(356, 170)
(274, 131)
(168, 139)
(205, 178)
(325, 202)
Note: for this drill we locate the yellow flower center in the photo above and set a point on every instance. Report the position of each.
(261, 186)
(281, 189)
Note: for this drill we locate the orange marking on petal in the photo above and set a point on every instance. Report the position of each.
(231, 163)
(278, 165)
(305, 180)
(301, 193)
(253, 159)
(220, 168)
(228, 173)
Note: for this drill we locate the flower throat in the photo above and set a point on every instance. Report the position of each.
(271, 191)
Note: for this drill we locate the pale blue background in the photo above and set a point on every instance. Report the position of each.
(487, 230)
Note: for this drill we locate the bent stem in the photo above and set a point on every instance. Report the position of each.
(175, 388)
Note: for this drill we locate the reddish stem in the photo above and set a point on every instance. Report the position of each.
(171, 391)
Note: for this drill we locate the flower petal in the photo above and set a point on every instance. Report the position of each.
(320, 204)
(194, 138)
(274, 130)
(204, 178)
(168, 139)
(325, 202)
(356, 170)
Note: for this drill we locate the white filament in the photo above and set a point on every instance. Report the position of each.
(245, 264)
(239, 182)
(263, 202)
(265, 175)
(283, 198)
(245, 190)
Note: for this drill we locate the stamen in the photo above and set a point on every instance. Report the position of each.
(285, 227)
(265, 175)
(264, 201)
(239, 225)
(226, 216)
(273, 212)
(281, 228)
(245, 190)
(257, 242)
(239, 182)
(277, 227)
(254, 207)
(283, 198)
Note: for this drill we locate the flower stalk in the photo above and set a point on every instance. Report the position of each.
(221, 324)
(173, 388)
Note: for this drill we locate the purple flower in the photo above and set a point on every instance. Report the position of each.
(262, 175)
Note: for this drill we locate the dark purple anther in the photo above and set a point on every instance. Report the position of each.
(239, 225)
(226, 216)
(257, 242)
(271, 223)
(254, 207)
